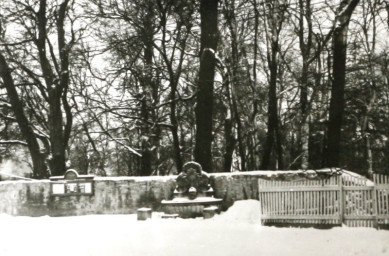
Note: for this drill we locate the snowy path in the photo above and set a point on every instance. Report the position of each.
(223, 235)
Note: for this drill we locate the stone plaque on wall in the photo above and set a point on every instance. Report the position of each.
(72, 184)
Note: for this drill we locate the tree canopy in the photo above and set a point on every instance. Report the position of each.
(140, 87)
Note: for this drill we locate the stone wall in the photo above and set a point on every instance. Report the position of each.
(124, 195)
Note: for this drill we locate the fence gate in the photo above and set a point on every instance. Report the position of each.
(354, 201)
(358, 202)
(382, 198)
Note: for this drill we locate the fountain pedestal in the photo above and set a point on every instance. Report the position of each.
(193, 193)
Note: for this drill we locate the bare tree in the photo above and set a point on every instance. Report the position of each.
(40, 169)
(275, 19)
(204, 100)
(337, 104)
(44, 67)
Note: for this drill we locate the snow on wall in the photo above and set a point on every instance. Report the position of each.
(124, 195)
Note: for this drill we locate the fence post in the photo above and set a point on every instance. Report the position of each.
(342, 202)
(375, 201)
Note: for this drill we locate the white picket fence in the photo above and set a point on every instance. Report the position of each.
(335, 200)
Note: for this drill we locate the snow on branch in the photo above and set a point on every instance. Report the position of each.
(13, 142)
(210, 50)
(5, 105)
(6, 117)
(124, 145)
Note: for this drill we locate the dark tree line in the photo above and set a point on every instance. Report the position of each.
(140, 87)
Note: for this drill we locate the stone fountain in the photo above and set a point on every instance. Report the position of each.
(192, 194)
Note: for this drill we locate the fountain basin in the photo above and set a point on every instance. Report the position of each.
(190, 208)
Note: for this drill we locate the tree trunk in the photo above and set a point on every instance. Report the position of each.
(337, 97)
(366, 135)
(146, 101)
(229, 138)
(145, 168)
(372, 92)
(280, 150)
(304, 125)
(239, 132)
(174, 123)
(204, 100)
(337, 103)
(254, 154)
(235, 83)
(56, 86)
(272, 157)
(305, 48)
(230, 142)
(272, 123)
(57, 161)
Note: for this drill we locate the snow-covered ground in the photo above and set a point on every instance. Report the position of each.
(235, 232)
